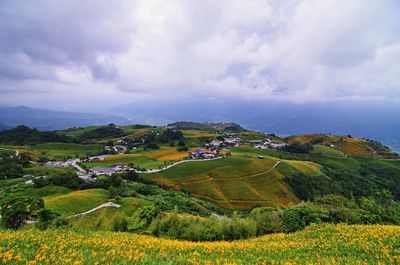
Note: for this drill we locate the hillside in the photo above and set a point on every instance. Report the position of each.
(191, 184)
(237, 182)
(206, 126)
(327, 244)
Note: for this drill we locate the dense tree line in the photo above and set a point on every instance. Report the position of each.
(361, 182)
(101, 133)
(380, 209)
(12, 166)
(23, 135)
(298, 148)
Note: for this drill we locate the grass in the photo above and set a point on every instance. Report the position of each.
(327, 151)
(67, 150)
(102, 219)
(322, 244)
(239, 182)
(76, 201)
(149, 159)
(167, 155)
(355, 149)
(137, 160)
(48, 171)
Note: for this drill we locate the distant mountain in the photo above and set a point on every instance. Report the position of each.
(378, 120)
(53, 120)
(3, 126)
(206, 126)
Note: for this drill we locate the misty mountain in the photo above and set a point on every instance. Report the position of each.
(362, 119)
(53, 120)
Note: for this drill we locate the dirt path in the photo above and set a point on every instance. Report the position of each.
(107, 204)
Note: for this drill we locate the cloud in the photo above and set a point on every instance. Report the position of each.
(298, 50)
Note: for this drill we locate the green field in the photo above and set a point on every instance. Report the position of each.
(39, 170)
(323, 244)
(238, 182)
(326, 151)
(67, 150)
(76, 201)
(141, 161)
(148, 159)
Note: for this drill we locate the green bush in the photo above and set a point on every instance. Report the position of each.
(196, 228)
(16, 211)
(46, 218)
(268, 219)
(299, 216)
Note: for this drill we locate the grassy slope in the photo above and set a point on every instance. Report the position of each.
(327, 151)
(64, 150)
(324, 244)
(102, 219)
(348, 145)
(76, 201)
(148, 159)
(240, 182)
(48, 171)
(138, 160)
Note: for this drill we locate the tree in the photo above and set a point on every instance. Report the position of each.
(132, 175)
(46, 218)
(16, 211)
(302, 215)
(40, 182)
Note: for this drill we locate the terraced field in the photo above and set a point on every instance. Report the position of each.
(347, 145)
(238, 182)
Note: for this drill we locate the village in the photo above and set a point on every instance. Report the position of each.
(217, 148)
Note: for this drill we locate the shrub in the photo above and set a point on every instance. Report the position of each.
(46, 218)
(40, 182)
(16, 211)
(120, 224)
(302, 215)
(268, 219)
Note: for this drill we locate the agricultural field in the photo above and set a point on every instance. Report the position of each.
(148, 159)
(326, 151)
(67, 150)
(348, 145)
(322, 244)
(237, 182)
(76, 201)
(23, 149)
(39, 170)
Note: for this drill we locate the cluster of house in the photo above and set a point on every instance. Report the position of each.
(118, 149)
(226, 142)
(103, 170)
(74, 162)
(203, 154)
(267, 144)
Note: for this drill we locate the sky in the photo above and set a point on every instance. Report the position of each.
(97, 54)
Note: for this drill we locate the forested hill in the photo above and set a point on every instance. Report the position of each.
(206, 126)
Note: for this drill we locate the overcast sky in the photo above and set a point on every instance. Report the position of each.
(88, 53)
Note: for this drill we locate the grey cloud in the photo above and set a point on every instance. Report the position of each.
(296, 50)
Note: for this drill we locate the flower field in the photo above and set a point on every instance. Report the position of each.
(324, 244)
